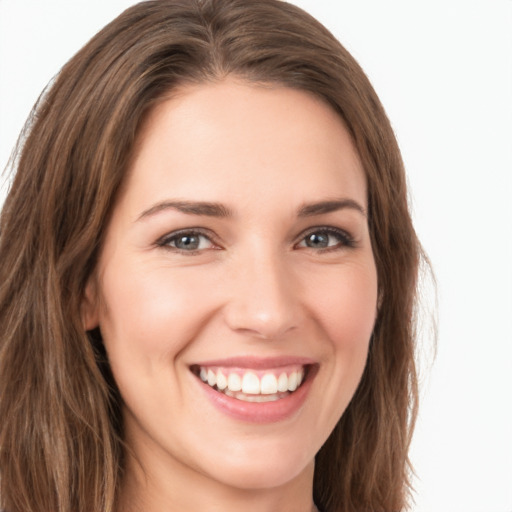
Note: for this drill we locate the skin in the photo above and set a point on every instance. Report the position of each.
(254, 287)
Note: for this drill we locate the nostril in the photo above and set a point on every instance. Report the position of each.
(262, 323)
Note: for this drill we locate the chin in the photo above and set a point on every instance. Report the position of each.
(263, 474)
(263, 467)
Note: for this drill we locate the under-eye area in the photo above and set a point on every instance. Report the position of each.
(254, 385)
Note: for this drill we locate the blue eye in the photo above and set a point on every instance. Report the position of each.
(187, 241)
(326, 238)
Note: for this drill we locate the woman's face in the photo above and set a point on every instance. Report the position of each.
(238, 253)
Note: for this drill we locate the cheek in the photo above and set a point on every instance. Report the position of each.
(152, 311)
(345, 301)
(345, 307)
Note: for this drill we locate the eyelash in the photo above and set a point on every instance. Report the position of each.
(166, 241)
(344, 239)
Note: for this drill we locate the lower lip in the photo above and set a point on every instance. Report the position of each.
(259, 412)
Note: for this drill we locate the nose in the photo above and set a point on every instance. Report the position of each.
(264, 300)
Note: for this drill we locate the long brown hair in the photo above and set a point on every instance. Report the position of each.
(61, 446)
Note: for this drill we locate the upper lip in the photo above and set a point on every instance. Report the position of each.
(257, 363)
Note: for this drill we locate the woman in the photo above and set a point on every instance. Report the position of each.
(208, 275)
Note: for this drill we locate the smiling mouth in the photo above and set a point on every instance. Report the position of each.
(251, 385)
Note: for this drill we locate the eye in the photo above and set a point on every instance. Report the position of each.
(187, 241)
(326, 238)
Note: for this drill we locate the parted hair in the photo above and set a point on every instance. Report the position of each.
(61, 432)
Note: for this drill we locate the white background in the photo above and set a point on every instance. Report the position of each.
(443, 70)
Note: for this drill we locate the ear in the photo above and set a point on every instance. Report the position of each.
(89, 306)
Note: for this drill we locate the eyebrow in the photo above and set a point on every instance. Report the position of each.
(333, 205)
(209, 209)
(189, 207)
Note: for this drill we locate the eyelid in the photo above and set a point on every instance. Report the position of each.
(347, 240)
(165, 240)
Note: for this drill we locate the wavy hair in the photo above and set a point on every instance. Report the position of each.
(61, 434)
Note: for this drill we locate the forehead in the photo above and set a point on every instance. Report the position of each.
(211, 138)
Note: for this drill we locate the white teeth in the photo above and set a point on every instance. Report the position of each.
(251, 384)
(268, 384)
(222, 382)
(248, 383)
(292, 381)
(258, 398)
(234, 382)
(282, 383)
(212, 379)
(253, 398)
